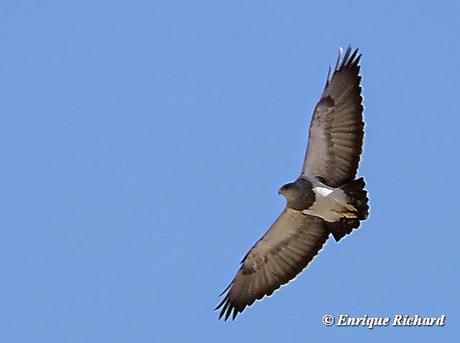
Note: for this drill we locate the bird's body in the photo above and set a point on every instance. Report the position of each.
(325, 199)
(329, 203)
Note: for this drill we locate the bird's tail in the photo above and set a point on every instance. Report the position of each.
(357, 196)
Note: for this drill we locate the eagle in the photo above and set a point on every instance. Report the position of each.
(326, 199)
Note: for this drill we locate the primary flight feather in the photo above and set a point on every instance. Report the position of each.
(325, 199)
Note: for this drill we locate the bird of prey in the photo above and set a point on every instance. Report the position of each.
(325, 199)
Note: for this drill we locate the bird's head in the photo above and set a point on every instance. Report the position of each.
(299, 194)
(286, 189)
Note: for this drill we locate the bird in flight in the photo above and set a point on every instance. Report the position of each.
(325, 199)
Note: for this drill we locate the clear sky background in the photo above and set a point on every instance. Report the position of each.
(143, 143)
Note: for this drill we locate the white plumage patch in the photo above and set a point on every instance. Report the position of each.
(322, 191)
(328, 204)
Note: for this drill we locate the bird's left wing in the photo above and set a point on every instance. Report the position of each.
(336, 130)
(282, 253)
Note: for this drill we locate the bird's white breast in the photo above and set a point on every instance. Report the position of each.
(326, 205)
(322, 191)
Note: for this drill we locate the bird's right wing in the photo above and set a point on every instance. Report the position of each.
(282, 253)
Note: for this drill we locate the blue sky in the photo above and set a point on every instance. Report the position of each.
(142, 145)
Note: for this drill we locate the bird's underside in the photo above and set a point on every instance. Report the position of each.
(325, 199)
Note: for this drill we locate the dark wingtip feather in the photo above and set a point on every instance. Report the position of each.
(345, 57)
(226, 289)
(339, 58)
(235, 313)
(226, 304)
(228, 312)
(228, 309)
(220, 304)
(348, 58)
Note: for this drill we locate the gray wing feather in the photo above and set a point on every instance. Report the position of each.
(337, 127)
(282, 253)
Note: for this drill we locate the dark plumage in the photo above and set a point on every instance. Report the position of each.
(299, 194)
(337, 127)
(267, 266)
(325, 199)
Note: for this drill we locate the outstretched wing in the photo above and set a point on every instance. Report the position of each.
(282, 253)
(337, 127)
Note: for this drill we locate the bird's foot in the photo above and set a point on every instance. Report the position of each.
(349, 207)
(348, 215)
